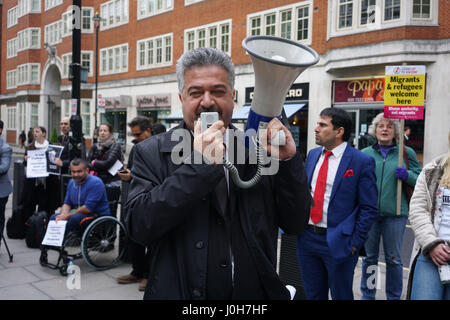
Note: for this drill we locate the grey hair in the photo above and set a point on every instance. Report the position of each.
(204, 57)
(378, 119)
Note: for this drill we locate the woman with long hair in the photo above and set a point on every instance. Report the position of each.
(430, 220)
(102, 156)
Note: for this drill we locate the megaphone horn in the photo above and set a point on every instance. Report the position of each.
(277, 62)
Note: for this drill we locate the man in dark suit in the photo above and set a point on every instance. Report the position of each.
(343, 184)
(209, 239)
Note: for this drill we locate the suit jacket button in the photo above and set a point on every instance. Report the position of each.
(196, 293)
(199, 244)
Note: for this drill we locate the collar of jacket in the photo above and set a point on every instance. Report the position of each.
(376, 146)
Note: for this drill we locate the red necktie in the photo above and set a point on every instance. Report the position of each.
(319, 192)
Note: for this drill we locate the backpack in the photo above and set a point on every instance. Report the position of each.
(15, 226)
(36, 226)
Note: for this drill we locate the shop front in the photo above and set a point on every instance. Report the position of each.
(296, 111)
(363, 98)
(115, 113)
(155, 107)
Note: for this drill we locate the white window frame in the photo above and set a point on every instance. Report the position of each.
(11, 48)
(167, 5)
(67, 60)
(12, 18)
(111, 57)
(53, 32)
(11, 118)
(422, 19)
(50, 4)
(406, 18)
(86, 117)
(151, 42)
(24, 74)
(384, 11)
(107, 7)
(197, 30)
(11, 79)
(34, 117)
(262, 29)
(191, 2)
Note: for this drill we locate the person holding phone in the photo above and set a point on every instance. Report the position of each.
(210, 239)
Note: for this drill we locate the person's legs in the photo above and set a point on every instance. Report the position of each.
(370, 262)
(311, 250)
(392, 233)
(3, 202)
(340, 277)
(426, 283)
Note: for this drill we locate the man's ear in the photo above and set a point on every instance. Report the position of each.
(180, 97)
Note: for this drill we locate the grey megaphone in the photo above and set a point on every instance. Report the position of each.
(277, 63)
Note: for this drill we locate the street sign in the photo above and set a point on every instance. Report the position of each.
(404, 92)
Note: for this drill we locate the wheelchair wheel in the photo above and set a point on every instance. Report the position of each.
(100, 243)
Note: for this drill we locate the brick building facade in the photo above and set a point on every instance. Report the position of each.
(140, 41)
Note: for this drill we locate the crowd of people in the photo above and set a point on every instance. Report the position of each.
(195, 235)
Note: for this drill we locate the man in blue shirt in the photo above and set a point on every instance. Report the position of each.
(85, 197)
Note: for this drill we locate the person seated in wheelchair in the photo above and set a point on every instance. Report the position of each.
(85, 198)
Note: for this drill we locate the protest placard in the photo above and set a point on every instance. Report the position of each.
(36, 164)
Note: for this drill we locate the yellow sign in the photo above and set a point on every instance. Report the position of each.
(404, 89)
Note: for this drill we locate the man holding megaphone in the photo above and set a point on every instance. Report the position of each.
(211, 239)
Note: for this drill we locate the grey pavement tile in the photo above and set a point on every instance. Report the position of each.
(91, 282)
(21, 259)
(22, 292)
(123, 292)
(16, 276)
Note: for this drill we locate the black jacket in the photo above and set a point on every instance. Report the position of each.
(104, 160)
(169, 205)
(69, 152)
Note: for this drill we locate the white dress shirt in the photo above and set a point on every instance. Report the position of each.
(333, 165)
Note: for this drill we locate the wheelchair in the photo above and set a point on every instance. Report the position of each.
(101, 244)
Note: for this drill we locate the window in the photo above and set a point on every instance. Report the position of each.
(345, 13)
(53, 32)
(391, 10)
(114, 59)
(154, 52)
(85, 59)
(12, 17)
(255, 29)
(34, 115)
(368, 8)
(86, 19)
(302, 23)
(11, 79)
(270, 24)
(147, 8)
(11, 120)
(11, 48)
(421, 9)
(34, 73)
(28, 39)
(85, 113)
(49, 4)
(286, 24)
(189, 2)
(114, 13)
(290, 22)
(215, 35)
